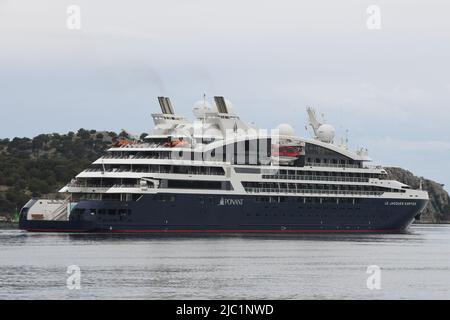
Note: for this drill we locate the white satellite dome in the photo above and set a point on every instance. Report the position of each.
(212, 132)
(285, 129)
(200, 108)
(325, 133)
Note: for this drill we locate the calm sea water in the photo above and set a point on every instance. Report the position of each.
(415, 265)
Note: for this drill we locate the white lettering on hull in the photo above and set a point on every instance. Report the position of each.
(400, 203)
(231, 202)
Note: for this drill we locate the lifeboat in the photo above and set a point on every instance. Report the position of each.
(122, 142)
(176, 143)
(287, 154)
(285, 151)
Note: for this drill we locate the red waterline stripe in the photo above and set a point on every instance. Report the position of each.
(249, 231)
(220, 231)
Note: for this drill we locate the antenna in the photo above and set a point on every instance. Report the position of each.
(313, 122)
(346, 138)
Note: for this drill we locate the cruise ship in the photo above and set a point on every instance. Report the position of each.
(219, 174)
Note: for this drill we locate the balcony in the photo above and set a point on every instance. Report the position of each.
(83, 187)
(332, 165)
(312, 191)
(316, 178)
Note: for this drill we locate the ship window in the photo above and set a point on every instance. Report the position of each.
(164, 198)
(111, 212)
(247, 170)
(192, 184)
(262, 199)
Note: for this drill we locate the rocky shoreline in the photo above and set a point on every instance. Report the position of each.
(9, 225)
(438, 208)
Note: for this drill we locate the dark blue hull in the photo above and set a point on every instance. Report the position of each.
(56, 226)
(192, 213)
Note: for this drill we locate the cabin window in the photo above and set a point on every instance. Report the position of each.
(164, 198)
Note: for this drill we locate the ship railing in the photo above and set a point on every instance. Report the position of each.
(318, 178)
(149, 145)
(84, 185)
(311, 191)
(333, 165)
(194, 172)
(105, 186)
(131, 156)
(126, 186)
(372, 166)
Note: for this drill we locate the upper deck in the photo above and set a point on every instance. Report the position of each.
(220, 152)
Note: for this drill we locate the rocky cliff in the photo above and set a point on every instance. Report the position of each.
(438, 208)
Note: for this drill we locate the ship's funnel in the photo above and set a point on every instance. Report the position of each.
(221, 105)
(166, 105)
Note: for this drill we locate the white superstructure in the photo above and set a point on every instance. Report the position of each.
(220, 154)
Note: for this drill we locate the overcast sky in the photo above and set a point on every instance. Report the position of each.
(389, 87)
